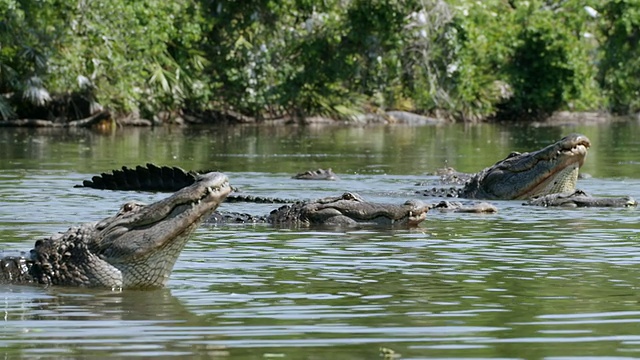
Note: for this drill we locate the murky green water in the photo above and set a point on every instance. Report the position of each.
(524, 283)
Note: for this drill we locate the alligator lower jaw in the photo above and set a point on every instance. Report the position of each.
(563, 178)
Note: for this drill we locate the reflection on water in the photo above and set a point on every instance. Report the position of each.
(523, 283)
(397, 150)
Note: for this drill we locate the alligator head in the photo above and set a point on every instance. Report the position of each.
(136, 248)
(319, 174)
(349, 210)
(553, 169)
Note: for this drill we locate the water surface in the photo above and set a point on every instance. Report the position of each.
(524, 283)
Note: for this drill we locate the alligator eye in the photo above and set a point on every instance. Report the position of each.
(515, 153)
(348, 196)
(130, 206)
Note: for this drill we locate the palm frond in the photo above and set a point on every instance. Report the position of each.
(8, 76)
(6, 111)
(35, 93)
(36, 57)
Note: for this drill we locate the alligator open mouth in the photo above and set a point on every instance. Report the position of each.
(520, 176)
(559, 173)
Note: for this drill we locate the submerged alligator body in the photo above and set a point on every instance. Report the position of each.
(136, 248)
(553, 169)
(349, 209)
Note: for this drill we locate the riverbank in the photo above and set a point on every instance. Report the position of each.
(106, 118)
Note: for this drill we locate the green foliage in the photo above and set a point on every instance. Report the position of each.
(472, 70)
(462, 59)
(550, 63)
(523, 59)
(619, 73)
(134, 53)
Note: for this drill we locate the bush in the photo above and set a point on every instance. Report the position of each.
(460, 59)
(619, 73)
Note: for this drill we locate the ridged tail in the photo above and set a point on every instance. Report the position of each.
(143, 178)
(162, 179)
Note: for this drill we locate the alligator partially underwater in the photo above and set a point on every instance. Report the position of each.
(136, 248)
(546, 177)
(552, 169)
(349, 209)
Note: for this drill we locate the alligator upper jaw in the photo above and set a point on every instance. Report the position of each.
(144, 241)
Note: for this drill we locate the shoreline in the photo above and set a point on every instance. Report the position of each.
(394, 117)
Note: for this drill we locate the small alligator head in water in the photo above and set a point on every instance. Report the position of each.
(349, 210)
(319, 174)
(553, 169)
(136, 248)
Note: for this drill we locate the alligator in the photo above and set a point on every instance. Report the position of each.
(319, 174)
(136, 248)
(550, 170)
(579, 198)
(347, 210)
